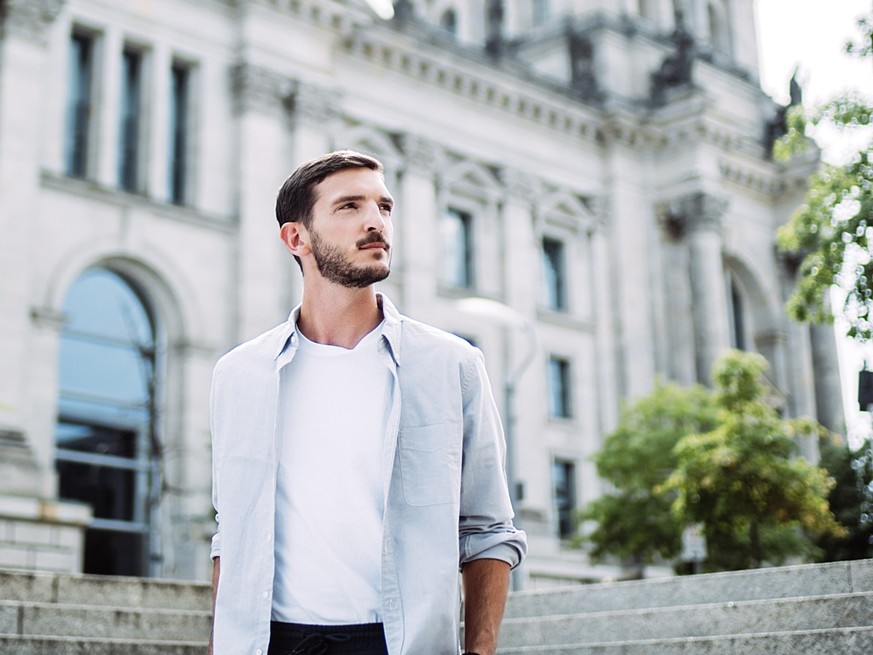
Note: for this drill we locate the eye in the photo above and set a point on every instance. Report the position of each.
(386, 207)
(349, 205)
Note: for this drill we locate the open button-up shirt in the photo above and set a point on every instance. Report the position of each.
(446, 497)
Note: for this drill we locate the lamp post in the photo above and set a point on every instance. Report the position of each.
(509, 319)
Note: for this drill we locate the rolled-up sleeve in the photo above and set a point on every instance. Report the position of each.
(486, 530)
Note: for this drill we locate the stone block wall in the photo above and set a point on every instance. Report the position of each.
(39, 534)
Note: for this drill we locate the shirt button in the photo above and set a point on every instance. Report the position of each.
(260, 651)
(266, 594)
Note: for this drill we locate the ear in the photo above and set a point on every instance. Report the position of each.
(295, 237)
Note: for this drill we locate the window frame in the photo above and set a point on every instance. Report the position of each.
(560, 407)
(467, 260)
(554, 293)
(81, 103)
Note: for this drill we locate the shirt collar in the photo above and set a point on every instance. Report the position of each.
(390, 329)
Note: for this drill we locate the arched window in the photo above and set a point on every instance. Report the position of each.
(106, 442)
(449, 22)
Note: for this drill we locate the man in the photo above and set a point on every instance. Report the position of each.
(357, 455)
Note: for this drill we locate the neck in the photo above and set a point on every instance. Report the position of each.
(336, 316)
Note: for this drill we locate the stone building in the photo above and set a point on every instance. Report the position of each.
(584, 187)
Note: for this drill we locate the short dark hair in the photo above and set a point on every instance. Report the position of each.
(297, 194)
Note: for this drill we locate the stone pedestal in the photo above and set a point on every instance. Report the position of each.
(40, 534)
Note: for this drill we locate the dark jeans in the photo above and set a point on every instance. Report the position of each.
(300, 639)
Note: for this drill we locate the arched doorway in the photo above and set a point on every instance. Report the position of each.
(106, 442)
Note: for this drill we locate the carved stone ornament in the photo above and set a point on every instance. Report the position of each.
(255, 88)
(691, 212)
(312, 103)
(29, 19)
(521, 184)
(421, 154)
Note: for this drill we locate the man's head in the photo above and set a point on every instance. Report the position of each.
(334, 212)
(298, 194)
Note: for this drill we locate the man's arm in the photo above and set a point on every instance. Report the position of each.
(486, 585)
(216, 569)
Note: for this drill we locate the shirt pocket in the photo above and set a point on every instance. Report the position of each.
(430, 463)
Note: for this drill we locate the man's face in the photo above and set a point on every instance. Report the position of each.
(351, 230)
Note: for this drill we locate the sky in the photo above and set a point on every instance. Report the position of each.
(810, 34)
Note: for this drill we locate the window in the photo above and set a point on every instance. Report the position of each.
(456, 229)
(738, 319)
(79, 104)
(180, 99)
(554, 275)
(105, 432)
(559, 388)
(130, 130)
(564, 493)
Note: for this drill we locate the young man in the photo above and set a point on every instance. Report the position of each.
(357, 455)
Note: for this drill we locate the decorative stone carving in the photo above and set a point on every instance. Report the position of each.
(255, 88)
(312, 103)
(583, 78)
(421, 154)
(521, 184)
(677, 67)
(29, 19)
(696, 211)
(494, 40)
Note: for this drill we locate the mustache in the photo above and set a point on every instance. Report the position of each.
(373, 237)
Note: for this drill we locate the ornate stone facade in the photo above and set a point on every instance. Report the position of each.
(531, 166)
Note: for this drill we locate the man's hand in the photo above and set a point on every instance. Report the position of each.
(486, 585)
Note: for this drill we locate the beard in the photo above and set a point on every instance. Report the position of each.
(335, 267)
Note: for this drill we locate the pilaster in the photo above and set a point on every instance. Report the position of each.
(417, 263)
(23, 64)
(698, 217)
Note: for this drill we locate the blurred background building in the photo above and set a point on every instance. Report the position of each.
(595, 174)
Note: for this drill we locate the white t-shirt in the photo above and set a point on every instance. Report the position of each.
(333, 414)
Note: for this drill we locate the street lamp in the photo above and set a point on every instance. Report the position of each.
(509, 319)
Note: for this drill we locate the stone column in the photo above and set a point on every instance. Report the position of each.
(604, 322)
(800, 384)
(415, 261)
(826, 376)
(699, 216)
(23, 64)
(265, 267)
(630, 244)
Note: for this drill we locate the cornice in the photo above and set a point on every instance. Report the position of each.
(329, 14)
(482, 87)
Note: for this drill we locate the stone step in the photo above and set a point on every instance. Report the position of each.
(836, 641)
(744, 617)
(73, 589)
(84, 646)
(55, 620)
(759, 584)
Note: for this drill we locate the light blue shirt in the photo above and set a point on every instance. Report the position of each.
(446, 497)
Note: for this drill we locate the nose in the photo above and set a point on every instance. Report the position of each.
(375, 220)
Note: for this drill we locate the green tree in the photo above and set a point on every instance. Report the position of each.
(635, 522)
(741, 481)
(851, 500)
(831, 234)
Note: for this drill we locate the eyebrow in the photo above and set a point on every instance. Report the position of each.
(360, 197)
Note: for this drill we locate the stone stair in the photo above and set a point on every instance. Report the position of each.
(824, 609)
(63, 614)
